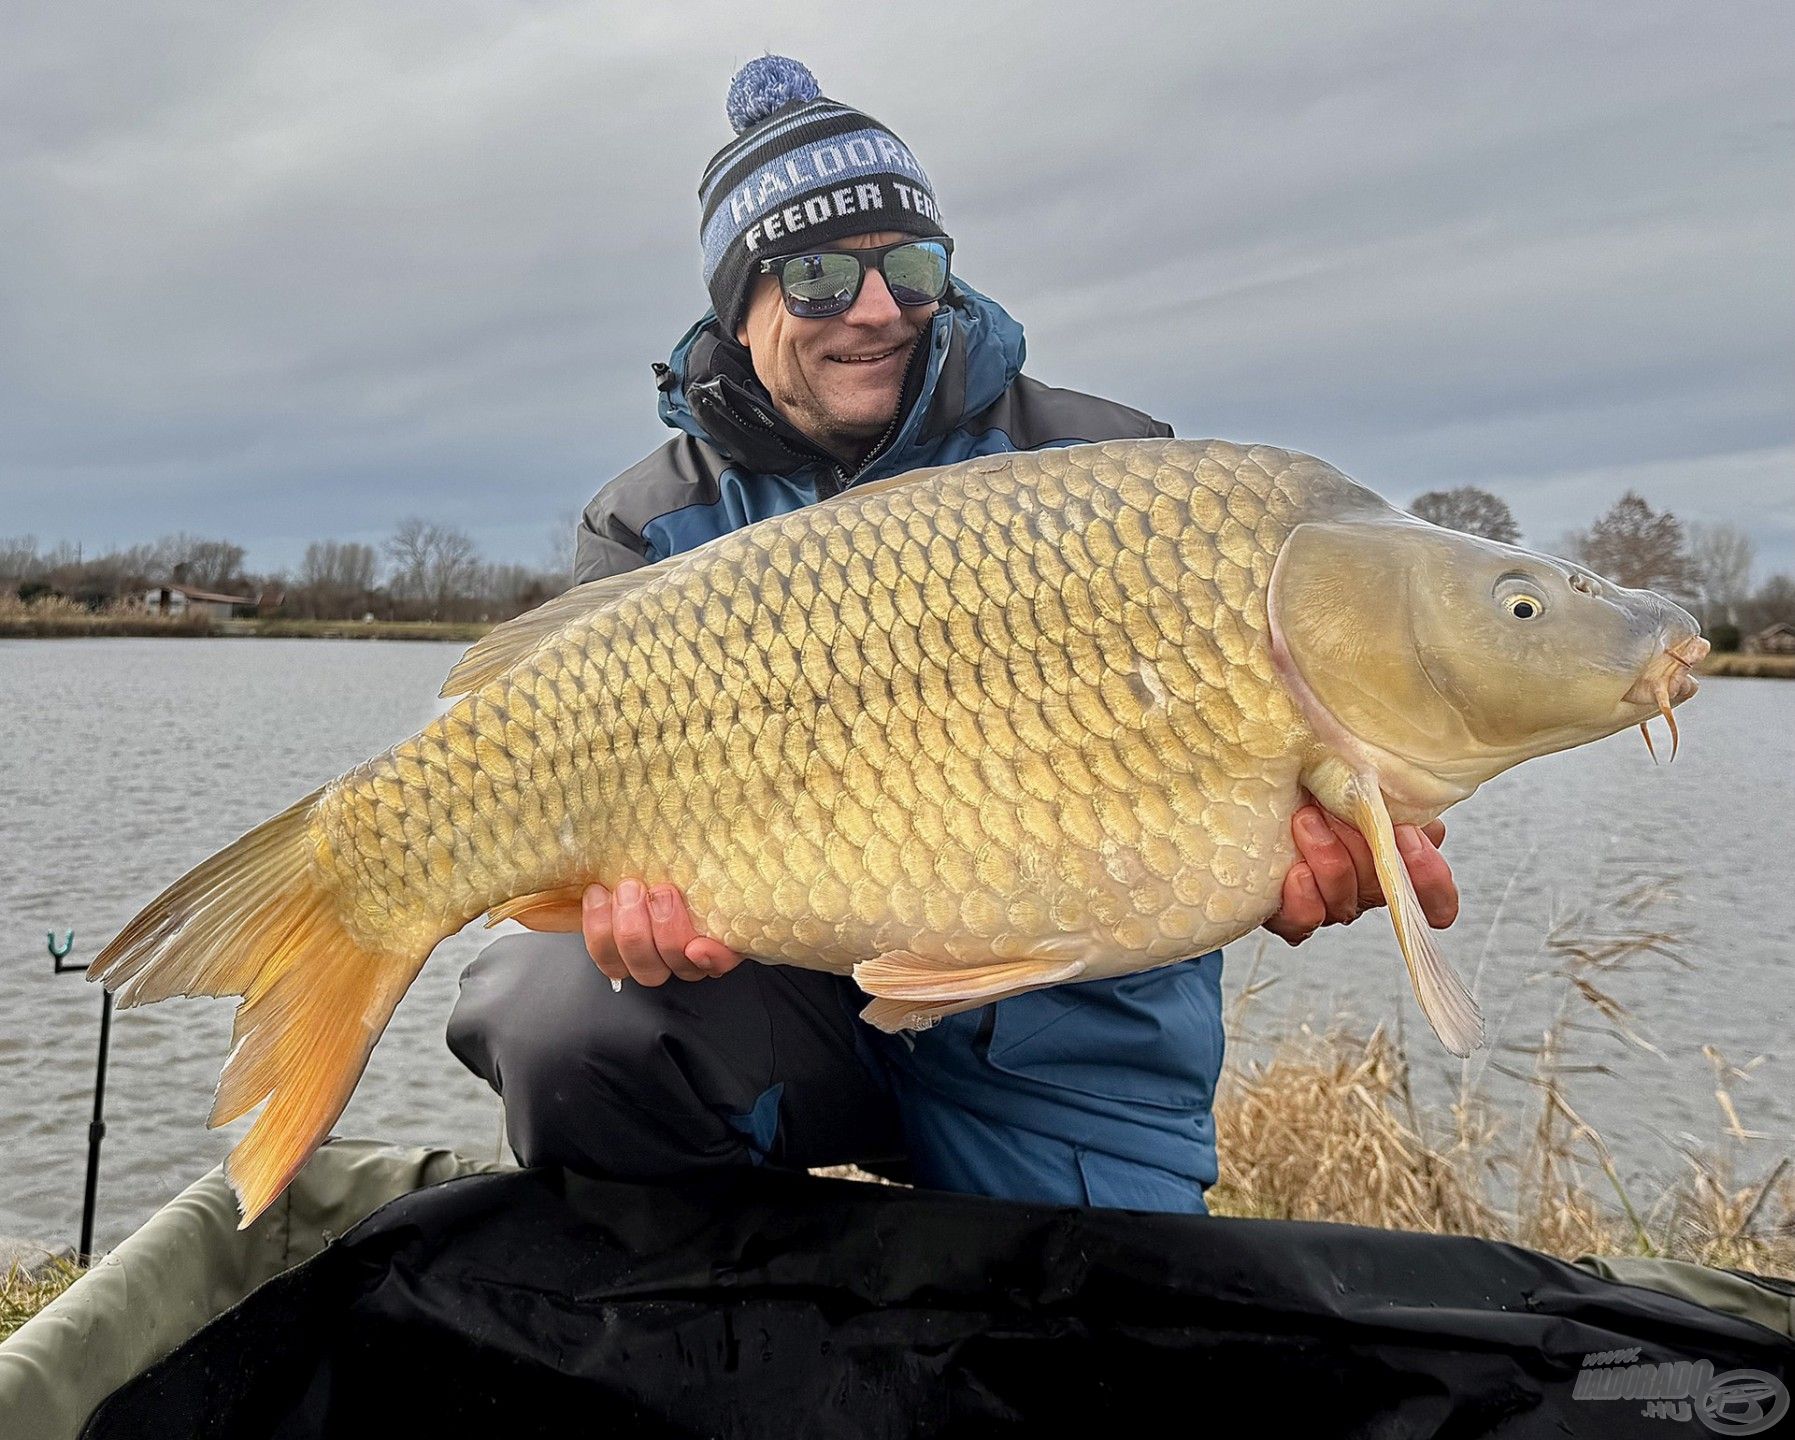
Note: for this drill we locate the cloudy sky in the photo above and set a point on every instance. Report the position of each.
(282, 273)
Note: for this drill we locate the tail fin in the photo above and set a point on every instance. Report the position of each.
(255, 920)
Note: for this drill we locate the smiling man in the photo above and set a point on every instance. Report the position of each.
(842, 347)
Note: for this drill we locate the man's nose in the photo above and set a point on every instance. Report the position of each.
(874, 305)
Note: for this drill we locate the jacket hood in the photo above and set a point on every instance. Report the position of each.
(970, 354)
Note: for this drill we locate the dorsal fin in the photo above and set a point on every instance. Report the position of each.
(505, 645)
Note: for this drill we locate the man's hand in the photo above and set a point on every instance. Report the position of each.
(648, 936)
(1336, 880)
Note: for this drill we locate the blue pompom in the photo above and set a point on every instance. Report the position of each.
(761, 86)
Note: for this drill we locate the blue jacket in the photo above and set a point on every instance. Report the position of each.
(1093, 1093)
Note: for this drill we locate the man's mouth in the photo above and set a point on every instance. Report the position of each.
(868, 357)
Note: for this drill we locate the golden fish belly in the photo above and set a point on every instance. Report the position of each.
(1027, 703)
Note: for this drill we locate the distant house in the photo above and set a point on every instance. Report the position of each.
(1777, 639)
(178, 599)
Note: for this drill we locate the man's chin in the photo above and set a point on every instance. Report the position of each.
(861, 420)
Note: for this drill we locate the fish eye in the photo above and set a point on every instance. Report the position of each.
(1521, 595)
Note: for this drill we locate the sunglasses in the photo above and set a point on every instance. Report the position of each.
(827, 282)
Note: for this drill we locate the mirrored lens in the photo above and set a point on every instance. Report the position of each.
(822, 284)
(917, 273)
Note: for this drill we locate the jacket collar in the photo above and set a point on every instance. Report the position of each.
(967, 357)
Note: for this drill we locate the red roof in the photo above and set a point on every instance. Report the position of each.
(193, 594)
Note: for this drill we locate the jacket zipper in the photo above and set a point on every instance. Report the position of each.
(918, 354)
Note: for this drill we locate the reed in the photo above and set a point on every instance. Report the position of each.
(1732, 662)
(52, 616)
(1329, 1127)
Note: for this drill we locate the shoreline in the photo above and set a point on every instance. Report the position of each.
(1756, 667)
(101, 627)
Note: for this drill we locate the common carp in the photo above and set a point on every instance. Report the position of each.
(962, 734)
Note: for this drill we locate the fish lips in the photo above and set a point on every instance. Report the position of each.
(1669, 678)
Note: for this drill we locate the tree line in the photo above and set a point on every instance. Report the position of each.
(1707, 568)
(423, 571)
(427, 571)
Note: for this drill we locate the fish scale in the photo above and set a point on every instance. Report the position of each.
(990, 677)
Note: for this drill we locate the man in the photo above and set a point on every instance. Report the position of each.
(842, 349)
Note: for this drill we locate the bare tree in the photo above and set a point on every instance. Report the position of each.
(335, 579)
(1721, 556)
(507, 590)
(1471, 510)
(434, 566)
(1774, 600)
(210, 564)
(1637, 546)
(563, 541)
(18, 559)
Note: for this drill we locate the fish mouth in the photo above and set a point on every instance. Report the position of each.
(1668, 681)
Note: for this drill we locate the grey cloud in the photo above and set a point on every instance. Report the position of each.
(299, 274)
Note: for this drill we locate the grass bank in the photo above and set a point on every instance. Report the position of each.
(464, 631)
(56, 618)
(1781, 667)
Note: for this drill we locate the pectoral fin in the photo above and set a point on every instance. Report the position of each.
(915, 991)
(1443, 998)
(545, 910)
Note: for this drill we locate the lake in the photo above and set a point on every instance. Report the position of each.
(130, 760)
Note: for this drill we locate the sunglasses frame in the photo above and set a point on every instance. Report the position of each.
(874, 255)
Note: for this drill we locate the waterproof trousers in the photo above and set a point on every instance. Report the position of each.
(1097, 1093)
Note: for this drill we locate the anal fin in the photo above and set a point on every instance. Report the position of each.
(557, 909)
(913, 992)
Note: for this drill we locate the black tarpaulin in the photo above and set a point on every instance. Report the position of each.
(762, 1304)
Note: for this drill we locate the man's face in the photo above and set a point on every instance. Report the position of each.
(839, 379)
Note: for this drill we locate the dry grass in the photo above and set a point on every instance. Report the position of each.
(52, 616)
(24, 1292)
(463, 630)
(1329, 1129)
(1734, 663)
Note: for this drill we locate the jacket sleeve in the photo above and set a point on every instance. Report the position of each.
(610, 537)
(603, 545)
(1034, 415)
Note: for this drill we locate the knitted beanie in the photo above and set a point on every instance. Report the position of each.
(802, 171)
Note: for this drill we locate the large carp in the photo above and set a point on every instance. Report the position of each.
(963, 734)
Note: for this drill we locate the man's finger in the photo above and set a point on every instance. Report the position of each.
(633, 930)
(1329, 862)
(595, 926)
(1431, 876)
(1435, 830)
(713, 956)
(1301, 909)
(673, 931)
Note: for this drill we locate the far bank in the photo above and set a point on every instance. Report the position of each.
(142, 625)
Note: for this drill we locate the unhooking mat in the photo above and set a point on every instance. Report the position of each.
(531, 1303)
